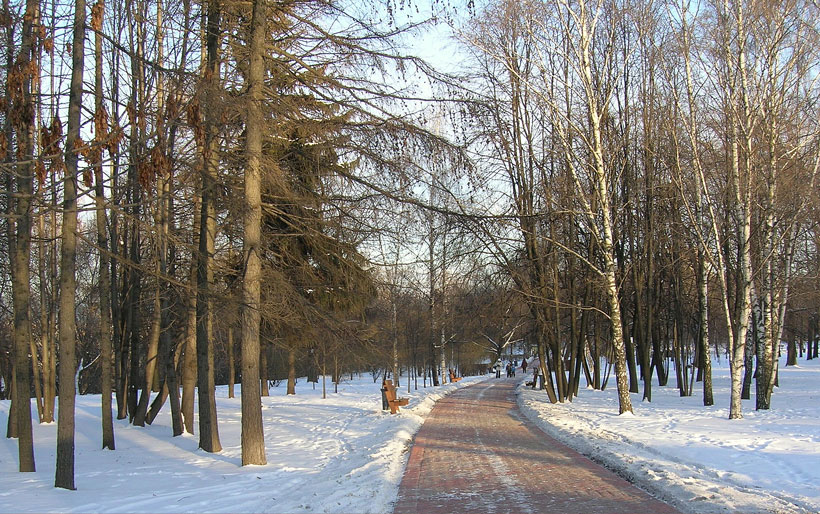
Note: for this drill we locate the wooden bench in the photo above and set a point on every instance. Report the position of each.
(389, 392)
(453, 377)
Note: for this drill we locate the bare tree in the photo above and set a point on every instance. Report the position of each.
(208, 428)
(21, 120)
(100, 133)
(64, 476)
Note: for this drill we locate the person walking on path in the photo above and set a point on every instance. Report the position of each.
(476, 452)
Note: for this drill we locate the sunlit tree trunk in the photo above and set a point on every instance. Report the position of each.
(600, 190)
(253, 437)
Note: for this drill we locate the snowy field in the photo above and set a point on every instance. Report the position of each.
(694, 457)
(343, 454)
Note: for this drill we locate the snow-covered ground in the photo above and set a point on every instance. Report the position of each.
(340, 454)
(344, 454)
(695, 457)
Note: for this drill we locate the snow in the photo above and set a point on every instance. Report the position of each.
(344, 454)
(340, 454)
(694, 457)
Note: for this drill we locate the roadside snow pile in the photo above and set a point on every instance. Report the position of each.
(340, 454)
(694, 457)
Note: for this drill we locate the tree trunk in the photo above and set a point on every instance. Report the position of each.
(160, 239)
(291, 370)
(395, 337)
(607, 241)
(7, 372)
(263, 369)
(189, 368)
(64, 476)
(208, 428)
(114, 296)
(106, 346)
(151, 356)
(231, 364)
(19, 249)
(791, 352)
(253, 437)
(703, 329)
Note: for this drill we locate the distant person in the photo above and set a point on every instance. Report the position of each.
(523, 365)
(498, 369)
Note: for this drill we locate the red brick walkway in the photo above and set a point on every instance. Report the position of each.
(477, 453)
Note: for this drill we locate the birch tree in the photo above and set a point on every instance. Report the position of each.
(585, 32)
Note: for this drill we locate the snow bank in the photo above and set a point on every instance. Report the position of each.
(344, 454)
(340, 454)
(694, 457)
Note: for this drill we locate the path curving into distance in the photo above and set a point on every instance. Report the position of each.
(476, 452)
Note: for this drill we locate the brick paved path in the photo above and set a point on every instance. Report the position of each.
(477, 453)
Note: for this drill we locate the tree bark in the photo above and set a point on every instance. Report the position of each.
(606, 236)
(208, 428)
(231, 364)
(20, 247)
(291, 369)
(189, 362)
(64, 475)
(253, 437)
(703, 328)
(106, 345)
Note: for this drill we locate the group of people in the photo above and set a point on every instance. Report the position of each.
(510, 368)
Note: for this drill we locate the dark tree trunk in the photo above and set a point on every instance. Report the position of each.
(20, 247)
(291, 370)
(263, 370)
(189, 361)
(106, 345)
(64, 475)
(231, 364)
(208, 429)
